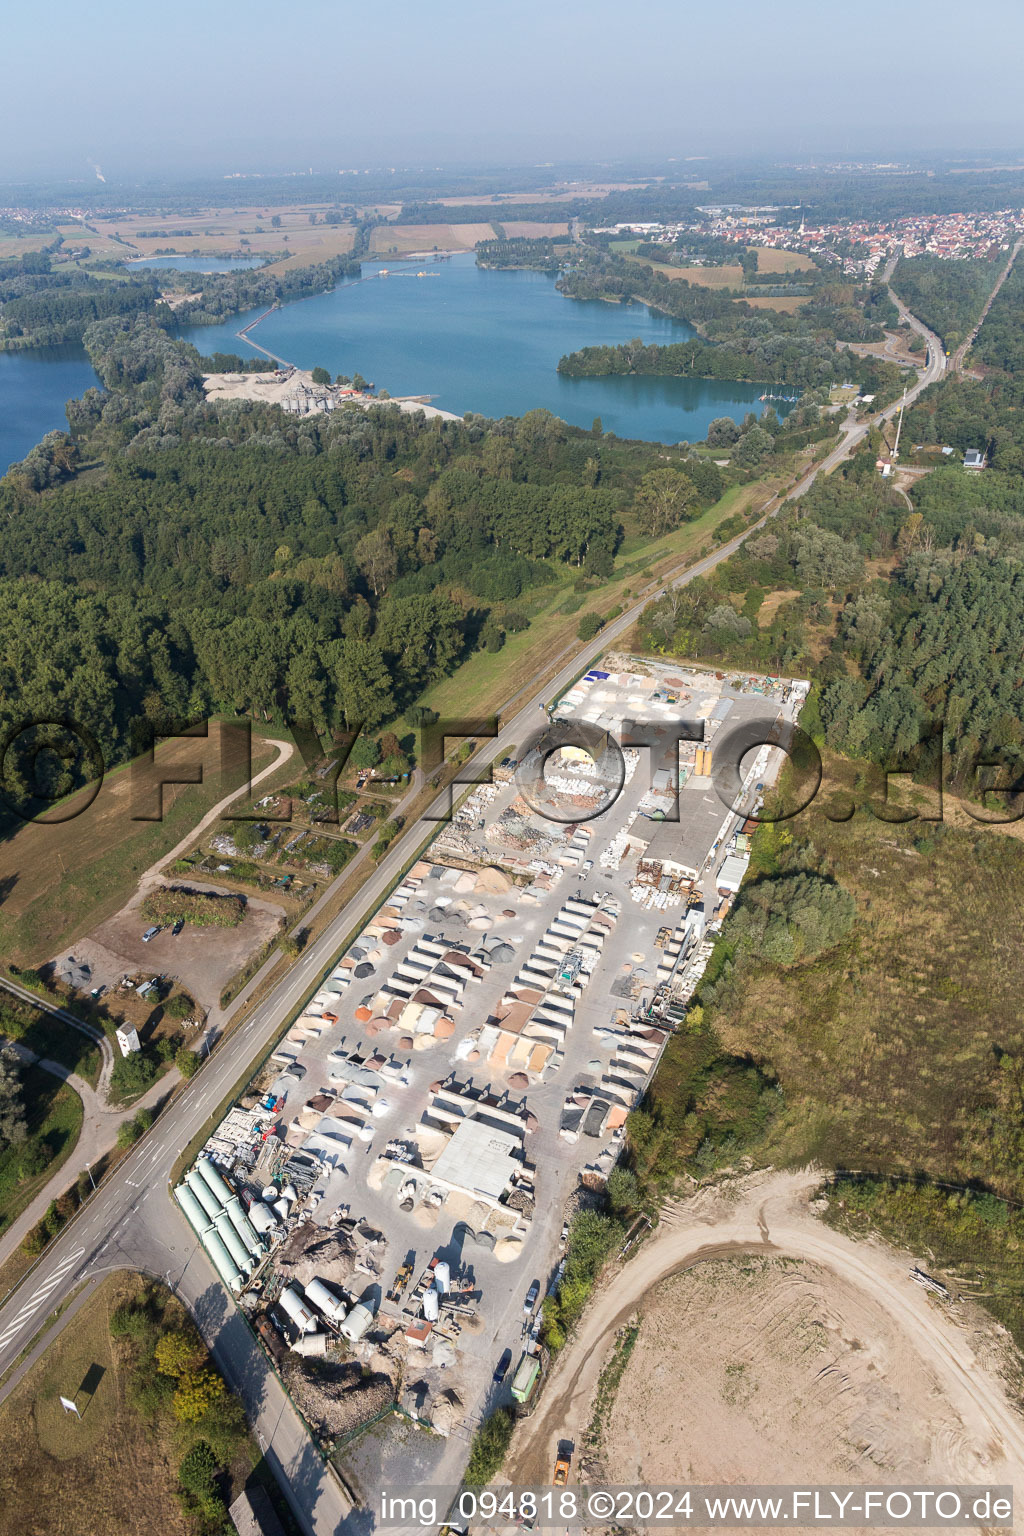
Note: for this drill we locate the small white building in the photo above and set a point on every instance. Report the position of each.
(128, 1039)
(974, 459)
(730, 876)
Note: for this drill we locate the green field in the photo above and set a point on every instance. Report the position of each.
(64, 879)
(902, 1050)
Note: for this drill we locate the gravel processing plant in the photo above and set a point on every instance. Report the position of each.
(387, 1200)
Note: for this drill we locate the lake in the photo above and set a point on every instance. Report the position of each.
(193, 263)
(489, 342)
(33, 389)
(475, 340)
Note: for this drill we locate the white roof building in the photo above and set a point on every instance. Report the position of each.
(479, 1158)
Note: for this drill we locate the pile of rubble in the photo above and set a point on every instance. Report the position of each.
(335, 1396)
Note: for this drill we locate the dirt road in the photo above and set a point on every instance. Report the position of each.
(770, 1214)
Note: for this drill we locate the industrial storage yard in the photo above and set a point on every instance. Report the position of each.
(388, 1199)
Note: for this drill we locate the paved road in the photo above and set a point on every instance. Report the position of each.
(132, 1223)
(98, 1136)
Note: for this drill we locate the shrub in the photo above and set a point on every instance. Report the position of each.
(198, 1469)
(196, 907)
(199, 1495)
(129, 1131)
(36, 1240)
(133, 1073)
(33, 1159)
(197, 1393)
(792, 917)
(175, 1353)
(187, 1062)
(365, 752)
(592, 1237)
(180, 1006)
(130, 1321)
(623, 1190)
(490, 1443)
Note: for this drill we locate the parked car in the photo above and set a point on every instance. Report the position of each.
(179, 925)
(531, 1297)
(150, 933)
(502, 1366)
(588, 866)
(565, 1234)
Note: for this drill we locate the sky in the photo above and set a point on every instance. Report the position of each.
(212, 88)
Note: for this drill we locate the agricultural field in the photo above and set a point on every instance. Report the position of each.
(702, 277)
(20, 245)
(403, 239)
(530, 229)
(771, 260)
(220, 232)
(784, 306)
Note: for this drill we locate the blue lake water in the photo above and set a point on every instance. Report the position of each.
(475, 340)
(193, 263)
(487, 342)
(33, 389)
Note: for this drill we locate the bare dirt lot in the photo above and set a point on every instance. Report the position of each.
(772, 1370)
(204, 960)
(773, 1348)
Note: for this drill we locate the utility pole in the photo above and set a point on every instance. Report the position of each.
(899, 428)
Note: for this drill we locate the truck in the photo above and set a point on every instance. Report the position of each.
(561, 1476)
(525, 1378)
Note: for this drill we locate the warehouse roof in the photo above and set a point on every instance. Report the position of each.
(686, 842)
(479, 1158)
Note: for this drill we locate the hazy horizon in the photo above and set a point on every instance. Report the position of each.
(139, 94)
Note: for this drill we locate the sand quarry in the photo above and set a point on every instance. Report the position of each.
(758, 1370)
(772, 1349)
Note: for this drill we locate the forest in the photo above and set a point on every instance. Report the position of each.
(968, 413)
(227, 293)
(761, 359)
(1000, 342)
(947, 295)
(938, 638)
(540, 254)
(44, 302)
(42, 305)
(326, 569)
